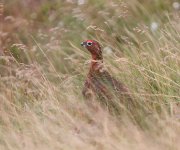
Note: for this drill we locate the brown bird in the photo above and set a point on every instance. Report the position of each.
(100, 83)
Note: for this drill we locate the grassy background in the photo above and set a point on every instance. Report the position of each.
(43, 69)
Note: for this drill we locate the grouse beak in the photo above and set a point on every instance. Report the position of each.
(83, 44)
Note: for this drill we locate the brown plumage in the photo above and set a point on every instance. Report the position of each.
(99, 82)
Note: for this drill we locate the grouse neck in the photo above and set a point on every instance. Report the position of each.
(96, 63)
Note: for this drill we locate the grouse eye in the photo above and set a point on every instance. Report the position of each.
(89, 43)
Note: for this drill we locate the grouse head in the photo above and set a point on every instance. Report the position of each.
(94, 48)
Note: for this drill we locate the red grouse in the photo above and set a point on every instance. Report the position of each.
(99, 82)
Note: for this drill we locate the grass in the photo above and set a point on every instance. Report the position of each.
(43, 68)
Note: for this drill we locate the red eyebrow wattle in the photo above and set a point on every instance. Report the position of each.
(89, 41)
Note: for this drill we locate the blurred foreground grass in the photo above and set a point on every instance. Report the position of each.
(43, 69)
